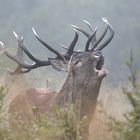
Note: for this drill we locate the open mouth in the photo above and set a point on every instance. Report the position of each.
(100, 62)
(99, 66)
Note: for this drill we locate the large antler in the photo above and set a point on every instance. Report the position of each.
(19, 57)
(93, 39)
(21, 50)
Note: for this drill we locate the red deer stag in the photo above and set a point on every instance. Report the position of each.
(85, 73)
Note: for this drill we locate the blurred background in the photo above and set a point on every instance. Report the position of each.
(52, 20)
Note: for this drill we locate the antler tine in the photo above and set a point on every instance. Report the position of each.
(92, 30)
(82, 31)
(73, 43)
(47, 46)
(89, 25)
(18, 70)
(110, 37)
(89, 40)
(19, 50)
(63, 46)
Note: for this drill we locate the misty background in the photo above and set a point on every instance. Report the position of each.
(52, 20)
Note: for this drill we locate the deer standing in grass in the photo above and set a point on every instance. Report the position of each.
(85, 74)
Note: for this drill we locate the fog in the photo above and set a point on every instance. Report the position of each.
(52, 21)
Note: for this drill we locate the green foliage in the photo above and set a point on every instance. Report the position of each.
(62, 124)
(3, 92)
(129, 130)
(133, 118)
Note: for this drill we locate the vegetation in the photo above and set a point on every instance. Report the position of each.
(129, 129)
(62, 125)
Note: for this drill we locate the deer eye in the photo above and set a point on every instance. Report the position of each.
(78, 63)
